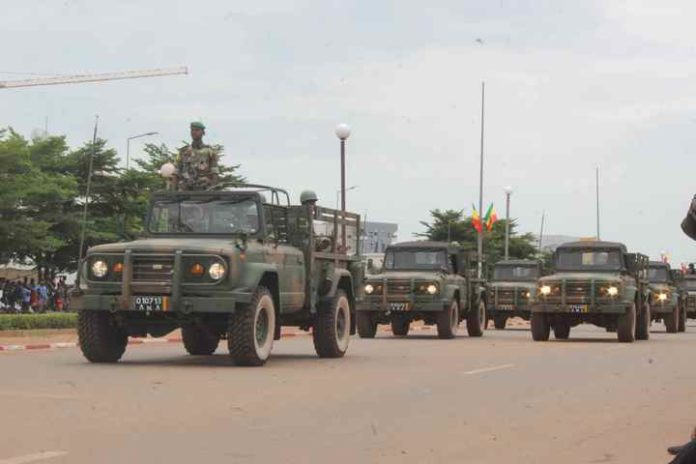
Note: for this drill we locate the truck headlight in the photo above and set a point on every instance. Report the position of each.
(662, 297)
(216, 271)
(369, 289)
(545, 290)
(612, 291)
(432, 289)
(100, 269)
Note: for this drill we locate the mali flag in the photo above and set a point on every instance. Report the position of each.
(490, 218)
(476, 220)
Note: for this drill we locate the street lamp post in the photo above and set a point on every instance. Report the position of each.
(508, 192)
(338, 194)
(147, 134)
(343, 132)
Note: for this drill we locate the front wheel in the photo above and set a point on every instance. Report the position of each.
(561, 331)
(682, 320)
(672, 321)
(332, 327)
(251, 329)
(101, 340)
(626, 325)
(541, 330)
(400, 325)
(199, 339)
(367, 324)
(643, 323)
(448, 321)
(476, 320)
(499, 322)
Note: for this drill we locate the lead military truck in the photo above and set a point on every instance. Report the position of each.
(228, 263)
(424, 280)
(512, 289)
(593, 282)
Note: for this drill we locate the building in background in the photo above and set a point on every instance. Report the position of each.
(376, 236)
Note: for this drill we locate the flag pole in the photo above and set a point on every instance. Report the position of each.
(480, 234)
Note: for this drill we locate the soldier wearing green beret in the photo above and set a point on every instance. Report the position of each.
(197, 163)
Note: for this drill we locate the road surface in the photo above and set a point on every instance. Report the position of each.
(497, 399)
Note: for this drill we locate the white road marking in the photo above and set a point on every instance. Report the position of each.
(489, 369)
(33, 457)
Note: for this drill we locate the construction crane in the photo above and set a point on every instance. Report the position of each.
(79, 78)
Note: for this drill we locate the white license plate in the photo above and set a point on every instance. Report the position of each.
(399, 306)
(505, 307)
(579, 308)
(151, 303)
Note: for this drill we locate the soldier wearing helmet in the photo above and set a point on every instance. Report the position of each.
(197, 163)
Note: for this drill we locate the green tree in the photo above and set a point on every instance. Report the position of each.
(455, 226)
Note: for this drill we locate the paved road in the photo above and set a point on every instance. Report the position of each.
(498, 399)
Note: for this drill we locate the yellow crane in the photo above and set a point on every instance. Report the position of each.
(79, 78)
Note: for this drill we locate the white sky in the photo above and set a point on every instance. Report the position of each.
(569, 85)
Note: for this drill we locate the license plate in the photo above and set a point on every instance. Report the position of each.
(505, 307)
(151, 303)
(579, 308)
(398, 306)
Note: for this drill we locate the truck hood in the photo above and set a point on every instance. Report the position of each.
(609, 277)
(168, 245)
(406, 275)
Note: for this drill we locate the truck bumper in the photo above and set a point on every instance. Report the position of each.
(662, 308)
(225, 303)
(580, 309)
(414, 305)
(508, 310)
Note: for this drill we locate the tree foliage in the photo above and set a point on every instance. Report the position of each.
(453, 225)
(43, 186)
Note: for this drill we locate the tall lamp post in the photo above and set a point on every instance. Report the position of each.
(343, 132)
(147, 134)
(338, 193)
(508, 192)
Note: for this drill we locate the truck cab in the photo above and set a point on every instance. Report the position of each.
(664, 296)
(235, 263)
(425, 281)
(511, 290)
(594, 282)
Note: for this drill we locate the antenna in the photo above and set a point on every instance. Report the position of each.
(597, 188)
(84, 211)
(541, 232)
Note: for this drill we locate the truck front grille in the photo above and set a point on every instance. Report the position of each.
(153, 268)
(578, 291)
(398, 287)
(506, 296)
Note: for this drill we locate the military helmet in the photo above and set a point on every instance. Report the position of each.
(197, 125)
(308, 196)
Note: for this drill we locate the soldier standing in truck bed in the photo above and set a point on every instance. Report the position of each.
(197, 163)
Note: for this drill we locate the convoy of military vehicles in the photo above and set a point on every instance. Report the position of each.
(239, 262)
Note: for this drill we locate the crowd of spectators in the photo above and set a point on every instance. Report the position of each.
(29, 296)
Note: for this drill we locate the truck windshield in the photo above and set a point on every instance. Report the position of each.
(515, 273)
(587, 260)
(204, 216)
(689, 284)
(658, 274)
(415, 259)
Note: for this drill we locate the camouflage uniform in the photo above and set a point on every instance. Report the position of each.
(197, 165)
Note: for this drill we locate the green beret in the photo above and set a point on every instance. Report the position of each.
(197, 125)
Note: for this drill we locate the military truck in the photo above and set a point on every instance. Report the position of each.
(687, 289)
(227, 263)
(511, 290)
(664, 295)
(424, 280)
(593, 282)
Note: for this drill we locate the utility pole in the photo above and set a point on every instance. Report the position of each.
(597, 188)
(480, 235)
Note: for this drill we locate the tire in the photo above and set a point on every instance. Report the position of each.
(561, 331)
(499, 322)
(251, 328)
(332, 327)
(541, 330)
(476, 319)
(400, 325)
(682, 320)
(367, 326)
(101, 341)
(448, 321)
(626, 325)
(643, 323)
(199, 340)
(672, 321)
